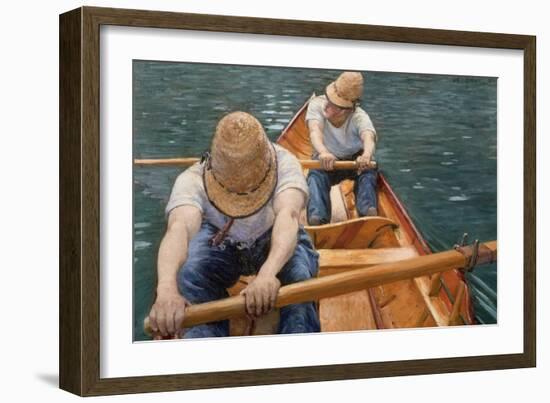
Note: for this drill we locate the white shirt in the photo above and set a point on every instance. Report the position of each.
(189, 190)
(343, 141)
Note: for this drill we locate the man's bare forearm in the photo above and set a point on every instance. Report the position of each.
(316, 136)
(287, 206)
(369, 143)
(183, 224)
(283, 241)
(168, 311)
(172, 255)
(261, 293)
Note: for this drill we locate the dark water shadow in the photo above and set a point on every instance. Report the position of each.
(50, 379)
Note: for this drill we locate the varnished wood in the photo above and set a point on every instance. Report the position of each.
(422, 318)
(331, 286)
(333, 261)
(459, 296)
(70, 188)
(348, 195)
(353, 234)
(185, 162)
(399, 303)
(386, 300)
(168, 162)
(79, 191)
(339, 212)
(295, 137)
(436, 306)
(336, 258)
(395, 210)
(440, 304)
(268, 26)
(435, 285)
(90, 219)
(529, 207)
(376, 311)
(346, 312)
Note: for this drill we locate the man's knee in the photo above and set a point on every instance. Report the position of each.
(198, 284)
(191, 283)
(299, 268)
(316, 220)
(369, 176)
(318, 177)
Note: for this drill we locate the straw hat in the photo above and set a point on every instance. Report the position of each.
(346, 90)
(241, 173)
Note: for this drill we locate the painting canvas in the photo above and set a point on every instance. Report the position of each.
(435, 180)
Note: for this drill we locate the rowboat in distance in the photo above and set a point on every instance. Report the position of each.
(374, 272)
(351, 242)
(419, 302)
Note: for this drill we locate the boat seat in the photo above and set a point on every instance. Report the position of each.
(342, 200)
(332, 261)
(358, 233)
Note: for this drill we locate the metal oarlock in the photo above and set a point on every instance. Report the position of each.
(473, 259)
(462, 242)
(474, 254)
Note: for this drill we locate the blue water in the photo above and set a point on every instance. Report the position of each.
(437, 147)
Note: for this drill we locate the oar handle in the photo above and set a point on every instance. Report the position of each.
(184, 162)
(337, 284)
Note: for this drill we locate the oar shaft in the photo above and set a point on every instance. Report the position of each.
(185, 162)
(338, 165)
(333, 285)
(176, 162)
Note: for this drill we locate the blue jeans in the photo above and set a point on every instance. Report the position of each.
(210, 270)
(319, 182)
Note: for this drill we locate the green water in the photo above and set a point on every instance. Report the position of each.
(437, 148)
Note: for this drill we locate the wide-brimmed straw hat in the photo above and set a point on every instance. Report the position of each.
(346, 90)
(241, 172)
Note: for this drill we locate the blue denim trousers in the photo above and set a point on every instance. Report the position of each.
(319, 182)
(210, 270)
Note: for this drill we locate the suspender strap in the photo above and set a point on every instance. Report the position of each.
(222, 233)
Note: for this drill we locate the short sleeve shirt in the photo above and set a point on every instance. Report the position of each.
(189, 190)
(343, 141)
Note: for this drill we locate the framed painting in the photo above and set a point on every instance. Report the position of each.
(249, 201)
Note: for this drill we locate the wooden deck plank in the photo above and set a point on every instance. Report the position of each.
(405, 306)
(334, 258)
(347, 312)
(360, 233)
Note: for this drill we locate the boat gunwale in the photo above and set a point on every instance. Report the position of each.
(423, 247)
(405, 221)
(347, 222)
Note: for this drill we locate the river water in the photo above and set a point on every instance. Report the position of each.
(437, 147)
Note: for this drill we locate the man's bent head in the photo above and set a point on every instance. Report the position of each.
(241, 172)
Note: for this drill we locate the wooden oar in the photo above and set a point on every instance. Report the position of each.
(185, 162)
(339, 284)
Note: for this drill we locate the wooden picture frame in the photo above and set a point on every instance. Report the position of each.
(80, 200)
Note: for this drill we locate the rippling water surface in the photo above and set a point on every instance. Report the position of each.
(437, 147)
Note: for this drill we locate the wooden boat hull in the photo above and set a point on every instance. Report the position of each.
(418, 302)
(350, 242)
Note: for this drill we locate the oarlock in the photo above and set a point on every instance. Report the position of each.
(475, 254)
